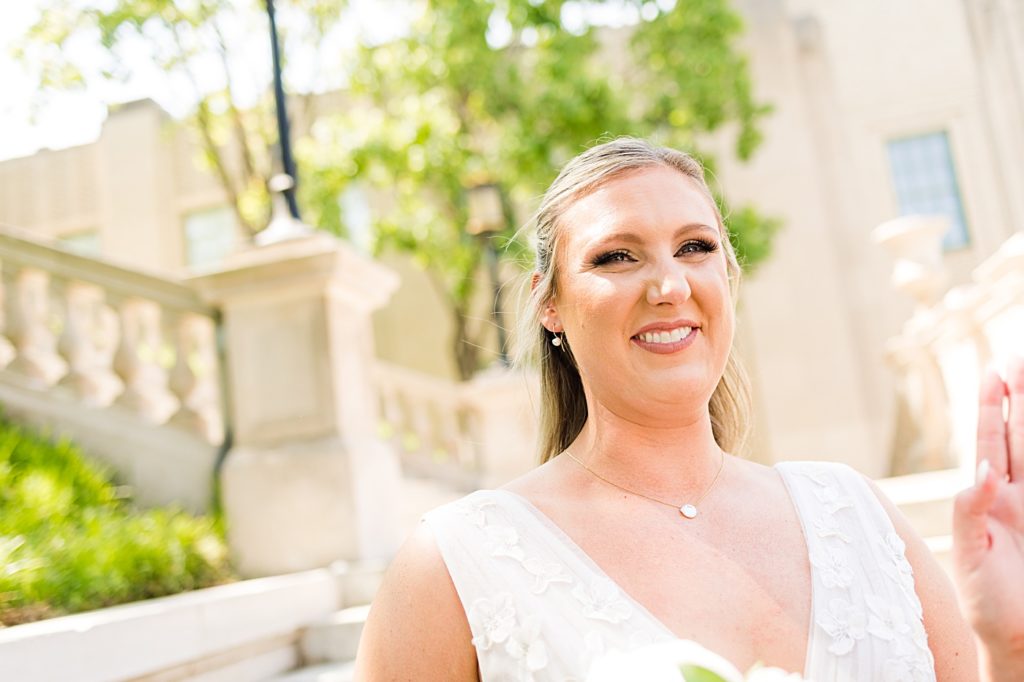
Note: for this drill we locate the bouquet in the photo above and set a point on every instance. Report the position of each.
(678, 661)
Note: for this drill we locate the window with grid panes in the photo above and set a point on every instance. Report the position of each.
(925, 182)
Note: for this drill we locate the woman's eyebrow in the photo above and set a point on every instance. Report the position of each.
(635, 238)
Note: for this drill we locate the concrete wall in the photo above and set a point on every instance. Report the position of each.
(845, 78)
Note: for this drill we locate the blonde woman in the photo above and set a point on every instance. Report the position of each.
(639, 526)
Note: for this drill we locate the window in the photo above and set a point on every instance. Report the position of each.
(925, 180)
(83, 243)
(209, 235)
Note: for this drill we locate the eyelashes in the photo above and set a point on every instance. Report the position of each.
(690, 246)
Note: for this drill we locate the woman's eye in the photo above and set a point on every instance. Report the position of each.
(613, 257)
(698, 246)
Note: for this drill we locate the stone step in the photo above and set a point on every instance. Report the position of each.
(325, 672)
(335, 638)
(926, 499)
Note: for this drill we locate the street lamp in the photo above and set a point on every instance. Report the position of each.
(487, 220)
(287, 161)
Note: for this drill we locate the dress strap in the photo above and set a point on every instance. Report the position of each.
(537, 607)
(866, 616)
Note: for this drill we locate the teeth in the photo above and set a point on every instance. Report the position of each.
(666, 337)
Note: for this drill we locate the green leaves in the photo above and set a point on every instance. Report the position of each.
(68, 542)
(474, 92)
(501, 91)
(696, 673)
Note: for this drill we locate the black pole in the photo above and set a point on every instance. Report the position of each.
(287, 162)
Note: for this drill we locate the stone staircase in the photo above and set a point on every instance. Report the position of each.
(329, 647)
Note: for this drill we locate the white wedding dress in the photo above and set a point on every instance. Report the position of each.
(540, 609)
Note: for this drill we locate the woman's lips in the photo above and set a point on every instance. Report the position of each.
(670, 345)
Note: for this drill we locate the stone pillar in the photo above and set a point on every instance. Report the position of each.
(308, 481)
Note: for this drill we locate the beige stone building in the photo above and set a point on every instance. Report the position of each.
(880, 108)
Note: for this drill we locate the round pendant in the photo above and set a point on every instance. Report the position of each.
(689, 511)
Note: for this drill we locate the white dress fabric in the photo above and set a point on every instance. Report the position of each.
(540, 609)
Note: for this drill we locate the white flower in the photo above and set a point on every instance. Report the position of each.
(602, 600)
(772, 675)
(830, 497)
(885, 620)
(525, 646)
(660, 663)
(907, 668)
(834, 571)
(474, 511)
(827, 527)
(845, 624)
(503, 541)
(898, 567)
(544, 573)
(492, 620)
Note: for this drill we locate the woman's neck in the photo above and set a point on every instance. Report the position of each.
(672, 459)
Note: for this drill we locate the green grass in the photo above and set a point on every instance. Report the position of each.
(69, 542)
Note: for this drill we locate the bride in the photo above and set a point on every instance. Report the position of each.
(639, 526)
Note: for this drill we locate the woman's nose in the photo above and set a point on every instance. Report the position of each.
(668, 286)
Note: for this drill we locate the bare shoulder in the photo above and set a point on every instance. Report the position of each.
(417, 629)
(949, 636)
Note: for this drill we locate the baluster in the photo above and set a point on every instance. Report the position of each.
(418, 426)
(448, 429)
(26, 304)
(390, 410)
(89, 378)
(136, 362)
(194, 379)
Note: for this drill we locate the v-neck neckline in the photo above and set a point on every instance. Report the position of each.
(565, 540)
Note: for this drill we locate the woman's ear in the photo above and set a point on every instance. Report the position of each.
(550, 319)
(549, 314)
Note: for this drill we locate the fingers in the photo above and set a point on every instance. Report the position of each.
(1015, 422)
(991, 425)
(970, 517)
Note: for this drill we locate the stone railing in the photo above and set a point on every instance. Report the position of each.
(123, 362)
(472, 434)
(950, 339)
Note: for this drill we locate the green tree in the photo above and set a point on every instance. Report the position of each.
(473, 91)
(195, 48)
(506, 91)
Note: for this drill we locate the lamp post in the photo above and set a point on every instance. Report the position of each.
(287, 161)
(487, 220)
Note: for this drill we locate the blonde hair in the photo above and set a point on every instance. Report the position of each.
(563, 404)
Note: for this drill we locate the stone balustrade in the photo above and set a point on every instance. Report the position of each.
(470, 434)
(123, 362)
(945, 346)
(109, 335)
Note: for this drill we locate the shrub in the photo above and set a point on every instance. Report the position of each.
(70, 541)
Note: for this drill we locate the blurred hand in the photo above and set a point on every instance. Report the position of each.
(988, 529)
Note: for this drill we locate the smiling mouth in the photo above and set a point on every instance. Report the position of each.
(666, 337)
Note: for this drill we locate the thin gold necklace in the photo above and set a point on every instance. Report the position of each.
(688, 510)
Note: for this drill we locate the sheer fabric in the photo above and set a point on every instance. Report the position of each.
(540, 609)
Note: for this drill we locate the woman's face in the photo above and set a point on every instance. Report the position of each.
(643, 293)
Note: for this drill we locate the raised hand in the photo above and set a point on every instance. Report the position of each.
(988, 529)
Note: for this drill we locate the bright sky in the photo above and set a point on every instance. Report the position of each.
(75, 118)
